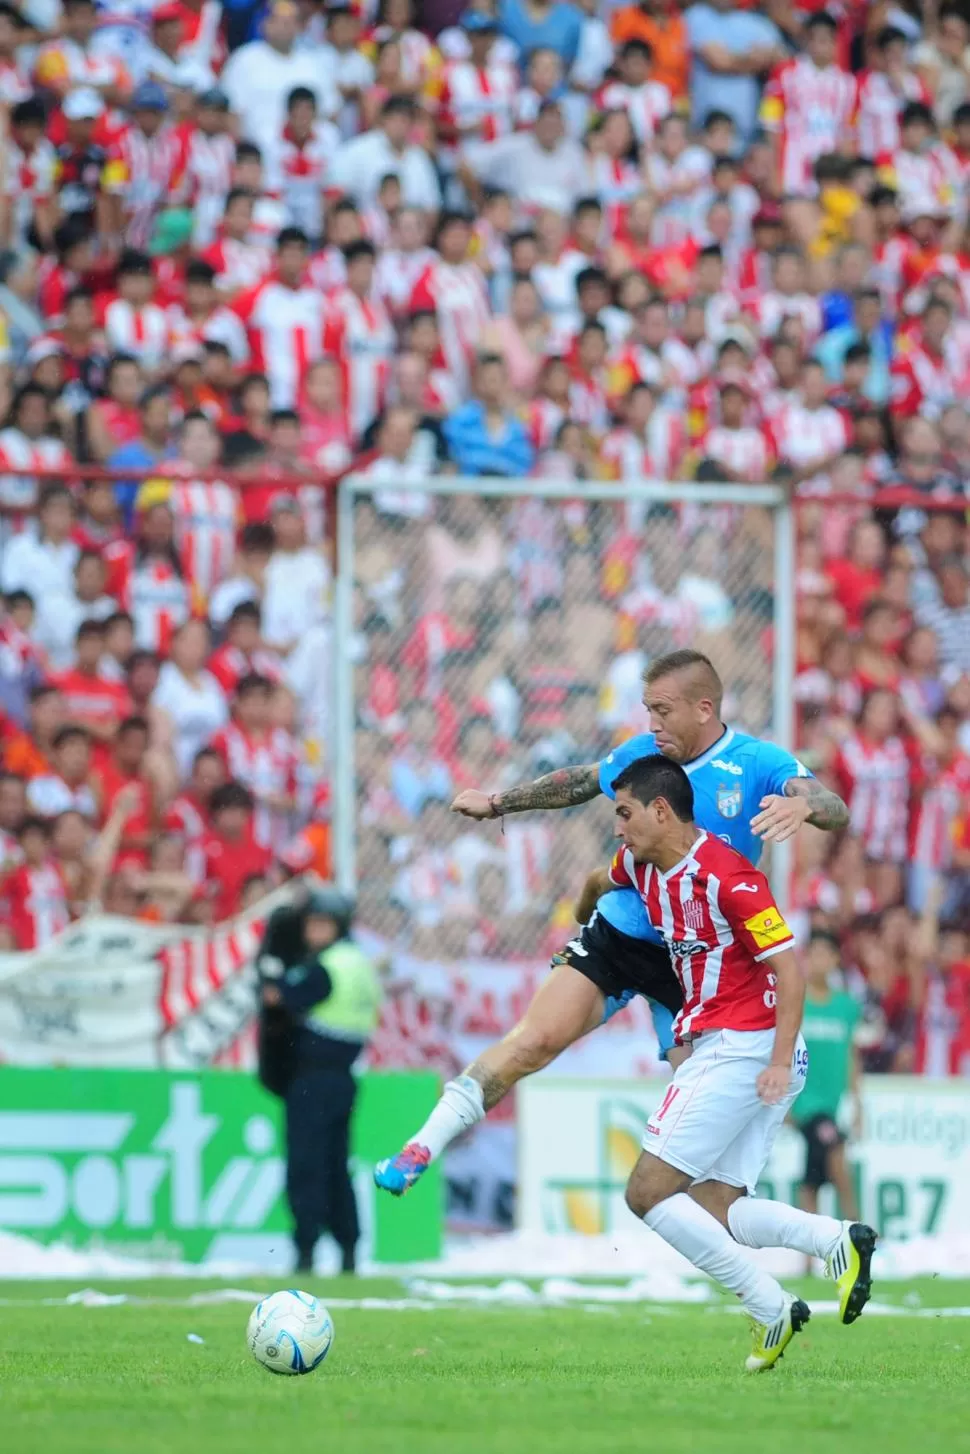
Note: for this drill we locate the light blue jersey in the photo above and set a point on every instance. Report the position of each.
(729, 781)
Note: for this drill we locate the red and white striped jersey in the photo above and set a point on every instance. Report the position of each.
(874, 779)
(645, 105)
(185, 817)
(38, 904)
(772, 308)
(944, 800)
(228, 664)
(221, 326)
(543, 418)
(922, 382)
(29, 179)
(927, 181)
(456, 293)
(206, 518)
(615, 182)
(429, 643)
(879, 104)
(476, 97)
(63, 64)
(587, 401)
(146, 172)
(267, 766)
(397, 274)
(297, 173)
(670, 369)
(360, 335)
(328, 269)
(806, 436)
(743, 451)
(18, 452)
(688, 174)
(655, 455)
(719, 920)
(886, 271)
(152, 590)
(209, 161)
(812, 110)
(14, 85)
(142, 332)
(239, 265)
(285, 329)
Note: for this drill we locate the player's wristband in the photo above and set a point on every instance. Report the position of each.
(494, 807)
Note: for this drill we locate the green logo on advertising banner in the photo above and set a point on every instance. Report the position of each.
(189, 1166)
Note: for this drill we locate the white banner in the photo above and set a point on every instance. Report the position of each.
(579, 1140)
(117, 992)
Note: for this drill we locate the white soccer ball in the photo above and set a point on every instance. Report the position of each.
(290, 1332)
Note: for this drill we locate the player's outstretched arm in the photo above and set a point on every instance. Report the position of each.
(598, 884)
(805, 800)
(561, 789)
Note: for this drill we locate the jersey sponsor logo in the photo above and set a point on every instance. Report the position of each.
(684, 948)
(745, 889)
(767, 928)
(729, 800)
(730, 767)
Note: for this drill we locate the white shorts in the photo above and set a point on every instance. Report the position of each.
(711, 1124)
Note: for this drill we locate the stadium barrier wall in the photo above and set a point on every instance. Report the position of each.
(175, 1168)
(578, 1140)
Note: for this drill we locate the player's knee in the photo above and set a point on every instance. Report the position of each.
(640, 1196)
(533, 1047)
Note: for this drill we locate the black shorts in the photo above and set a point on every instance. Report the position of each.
(821, 1135)
(622, 967)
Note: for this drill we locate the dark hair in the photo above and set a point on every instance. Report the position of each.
(251, 683)
(824, 936)
(89, 628)
(889, 35)
(300, 93)
(230, 795)
(360, 247)
(197, 270)
(962, 114)
(283, 416)
(69, 733)
(245, 611)
(916, 111)
(290, 236)
(33, 824)
(133, 263)
(257, 536)
(657, 776)
(235, 193)
(132, 724)
(205, 752)
(30, 112)
(822, 20)
(718, 118)
(857, 353)
(636, 47)
(19, 598)
(248, 151)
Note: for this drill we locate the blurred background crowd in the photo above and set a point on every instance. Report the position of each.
(248, 249)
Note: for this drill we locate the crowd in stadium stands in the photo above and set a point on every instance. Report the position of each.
(246, 250)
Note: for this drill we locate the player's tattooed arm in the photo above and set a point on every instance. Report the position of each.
(826, 809)
(562, 789)
(803, 800)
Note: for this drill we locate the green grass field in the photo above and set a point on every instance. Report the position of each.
(480, 1380)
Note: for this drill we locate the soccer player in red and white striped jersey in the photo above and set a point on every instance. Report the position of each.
(731, 950)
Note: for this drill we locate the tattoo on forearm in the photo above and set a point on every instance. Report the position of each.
(562, 789)
(827, 809)
(493, 1087)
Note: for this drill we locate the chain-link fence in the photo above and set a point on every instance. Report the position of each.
(489, 633)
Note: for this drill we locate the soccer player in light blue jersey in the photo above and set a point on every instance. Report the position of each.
(746, 791)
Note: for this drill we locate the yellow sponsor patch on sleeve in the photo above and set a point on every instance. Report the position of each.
(768, 928)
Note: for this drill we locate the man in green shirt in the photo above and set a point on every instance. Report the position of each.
(829, 1026)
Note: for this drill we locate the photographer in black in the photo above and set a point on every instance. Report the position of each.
(320, 1003)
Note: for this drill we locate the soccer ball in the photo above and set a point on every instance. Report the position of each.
(290, 1332)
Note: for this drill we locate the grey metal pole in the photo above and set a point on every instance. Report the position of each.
(342, 770)
(783, 705)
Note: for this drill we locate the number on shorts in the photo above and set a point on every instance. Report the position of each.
(673, 1091)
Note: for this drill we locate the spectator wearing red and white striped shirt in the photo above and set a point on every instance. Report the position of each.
(874, 771)
(359, 334)
(476, 100)
(285, 318)
(241, 262)
(263, 758)
(146, 164)
(942, 800)
(808, 107)
(883, 91)
(299, 162)
(739, 449)
(646, 102)
(133, 323)
(788, 298)
(454, 290)
(810, 434)
(207, 512)
(146, 576)
(241, 654)
(210, 152)
(36, 891)
(927, 372)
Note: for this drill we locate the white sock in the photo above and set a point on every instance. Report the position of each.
(703, 1241)
(461, 1106)
(757, 1223)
